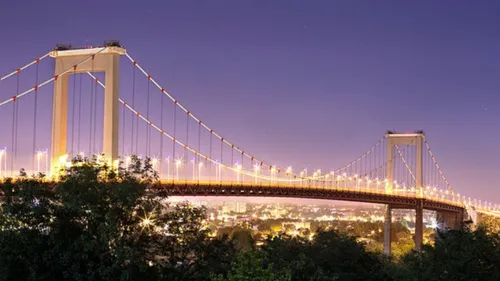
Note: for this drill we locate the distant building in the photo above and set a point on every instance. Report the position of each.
(235, 207)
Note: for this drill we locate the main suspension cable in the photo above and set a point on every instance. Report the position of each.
(36, 61)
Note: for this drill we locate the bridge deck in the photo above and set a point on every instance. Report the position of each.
(400, 199)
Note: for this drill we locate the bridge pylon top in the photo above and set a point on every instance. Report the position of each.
(391, 134)
(88, 52)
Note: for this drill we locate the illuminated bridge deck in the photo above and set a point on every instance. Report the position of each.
(397, 199)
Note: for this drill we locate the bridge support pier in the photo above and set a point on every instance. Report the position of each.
(419, 225)
(387, 229)
(449, 220)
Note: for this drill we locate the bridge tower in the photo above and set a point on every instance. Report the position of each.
(103, 59)
(412, 139)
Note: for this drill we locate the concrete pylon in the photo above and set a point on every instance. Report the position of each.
(449, 220)
(417, 140)
(387, 229)
(107, 60)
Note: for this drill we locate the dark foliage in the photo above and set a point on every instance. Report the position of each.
(98, 223)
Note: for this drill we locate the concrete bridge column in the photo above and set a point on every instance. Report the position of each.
(387, 230)
(419, 225)
(449, 220)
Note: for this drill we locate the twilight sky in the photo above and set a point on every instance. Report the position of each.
(302, 83)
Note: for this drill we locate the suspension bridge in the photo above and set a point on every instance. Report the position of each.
(88, 115)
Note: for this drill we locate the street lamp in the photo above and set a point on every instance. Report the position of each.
(220, 170)
(168, 167)
(256, 169)
(178, 163)
(238, 171)
(199, 170)
(3, 155)
(38, 155)
(194, 175)
(47, 168)
(154, 162)
(273, 171)
(216, 170)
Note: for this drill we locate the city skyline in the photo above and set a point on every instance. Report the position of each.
(317, 74)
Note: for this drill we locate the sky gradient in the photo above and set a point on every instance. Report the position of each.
(302, 83)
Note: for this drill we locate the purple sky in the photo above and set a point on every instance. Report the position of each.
(307, 83)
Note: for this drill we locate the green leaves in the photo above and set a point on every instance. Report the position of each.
(328, 256)
(251, 266)
(457, 255)
(99, 223)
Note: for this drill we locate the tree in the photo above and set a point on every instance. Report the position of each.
(342, 257)
(100, 223)
(291, 253)
(490, 223)
(329, 256)
(250, 266)
(457, 255)
(242, 239)
(79, 228)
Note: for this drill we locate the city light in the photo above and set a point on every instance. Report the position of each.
(147, 221)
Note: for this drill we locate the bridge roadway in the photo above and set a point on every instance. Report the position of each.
(397, 199)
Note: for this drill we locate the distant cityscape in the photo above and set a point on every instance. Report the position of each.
(303, 218)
